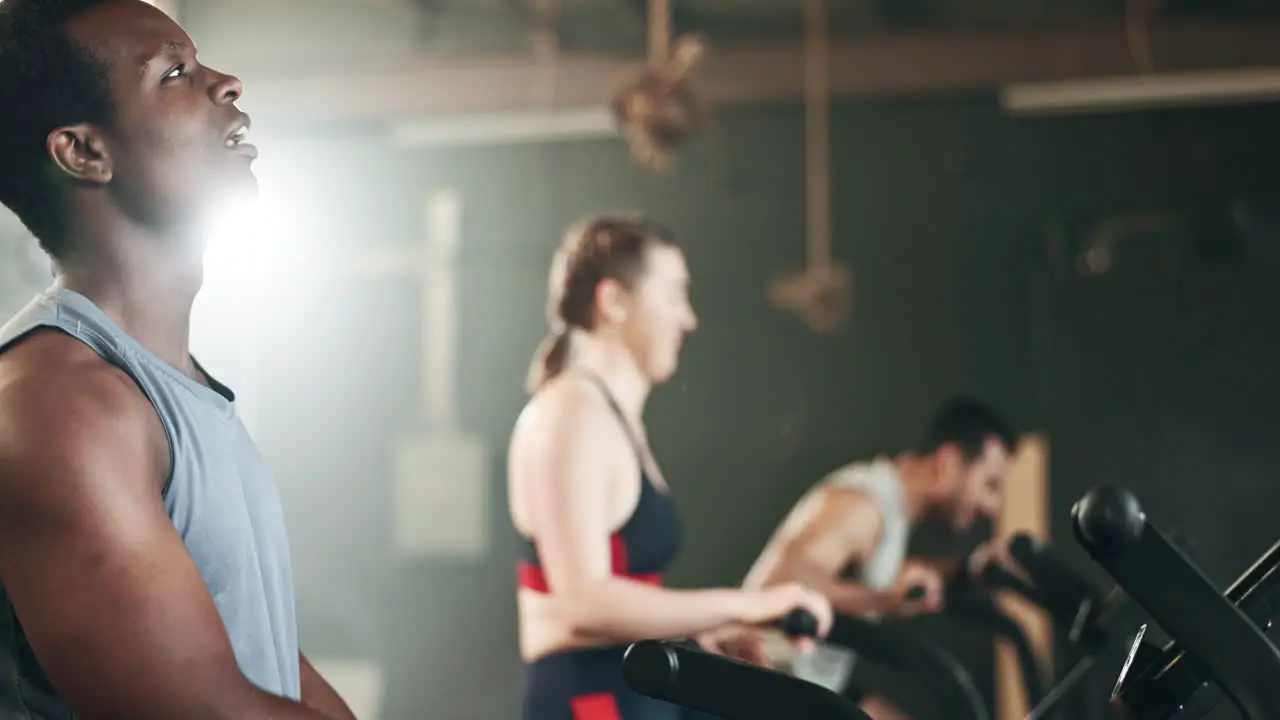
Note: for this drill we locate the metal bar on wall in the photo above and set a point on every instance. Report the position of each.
(442, 475)
(419, 87)
(443, 219)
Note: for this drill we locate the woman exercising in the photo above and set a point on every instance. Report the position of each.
(587, 495)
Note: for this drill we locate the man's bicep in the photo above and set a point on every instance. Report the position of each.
(102, 585)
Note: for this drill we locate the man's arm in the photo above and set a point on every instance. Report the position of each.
(318, 694)
(994, 551)
(828, 531)
(949, 567)
(112, 603)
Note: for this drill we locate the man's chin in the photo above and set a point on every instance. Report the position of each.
(242, 189)
(236, 184)
(233, 203)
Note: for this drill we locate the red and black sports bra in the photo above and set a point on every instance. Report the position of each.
(646, 544)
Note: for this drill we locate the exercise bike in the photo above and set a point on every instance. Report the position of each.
(1219, 646)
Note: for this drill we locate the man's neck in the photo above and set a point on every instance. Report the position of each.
(913, 472)
(146, 291)
(615, 366)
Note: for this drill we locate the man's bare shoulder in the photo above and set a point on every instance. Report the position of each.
(47, 350)
(846, 501)
(113, 605)
(60, 402)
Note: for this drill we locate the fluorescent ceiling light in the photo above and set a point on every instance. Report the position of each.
(1118, 94)
(507, 128)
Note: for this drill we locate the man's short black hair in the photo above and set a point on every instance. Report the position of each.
(968, 424)
(46, 81)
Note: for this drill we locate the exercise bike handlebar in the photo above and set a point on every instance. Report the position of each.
(730, 689)
(915, 656)
(1170, 679)
(996, 577)
(1051, 583)
(1112, 527)
(1048, 572)
(1074, 603)
(798, 623)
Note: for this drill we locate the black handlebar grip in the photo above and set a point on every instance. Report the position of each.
(1023, 545)
(1108, 520)
(650, 668)
(721, 687)
(1054, 579)
(798, 623)
(997, 578)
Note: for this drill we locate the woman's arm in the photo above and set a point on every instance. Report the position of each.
(566, 465)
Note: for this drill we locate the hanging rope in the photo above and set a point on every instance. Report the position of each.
(817, 137)
(820, 294)
(659, 32)
(546, 52)
(658, 110)
(1138, 15)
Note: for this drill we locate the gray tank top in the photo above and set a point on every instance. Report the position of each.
(831, 666)
(222, 500)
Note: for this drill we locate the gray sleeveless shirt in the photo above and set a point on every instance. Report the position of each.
(831, 666)
(220, 496)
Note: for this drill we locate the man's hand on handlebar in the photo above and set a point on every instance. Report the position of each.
(995, 551)
(918, 589)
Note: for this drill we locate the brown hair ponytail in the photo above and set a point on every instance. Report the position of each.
(605, 247)
(550, 360)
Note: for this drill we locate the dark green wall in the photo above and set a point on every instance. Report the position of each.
(961, 226)
(941, 208)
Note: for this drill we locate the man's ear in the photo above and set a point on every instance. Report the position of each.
(948, 466)
(80, 152)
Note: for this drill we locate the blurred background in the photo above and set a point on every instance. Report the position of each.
(1070, 209)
